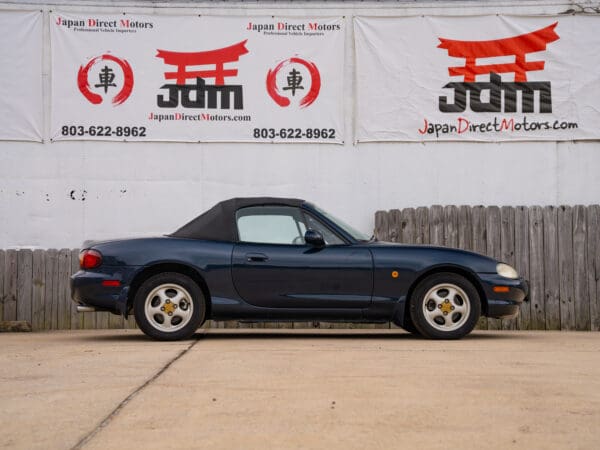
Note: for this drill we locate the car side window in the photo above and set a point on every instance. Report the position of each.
(328, 236)
(270, 225)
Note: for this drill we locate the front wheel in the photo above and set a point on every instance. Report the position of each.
(445, 306)
(169, 306)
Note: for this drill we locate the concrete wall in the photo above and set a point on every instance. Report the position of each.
(59, 194)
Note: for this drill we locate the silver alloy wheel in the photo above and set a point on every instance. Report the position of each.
(446, 307)
(168, 307)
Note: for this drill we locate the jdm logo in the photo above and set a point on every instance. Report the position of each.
(298, 77)
(468, 92)
(105, 76)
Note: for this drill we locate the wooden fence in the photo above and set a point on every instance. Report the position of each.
(556, 248)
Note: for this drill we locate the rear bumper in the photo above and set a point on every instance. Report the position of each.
(87, 290)
(503, 305)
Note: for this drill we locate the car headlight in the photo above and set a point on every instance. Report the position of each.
(506, 271)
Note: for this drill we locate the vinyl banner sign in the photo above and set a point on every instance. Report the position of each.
(21, 103)
(481, 78)
(190, 78)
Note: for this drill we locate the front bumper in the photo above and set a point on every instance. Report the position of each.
(87, 290)
(503, 305)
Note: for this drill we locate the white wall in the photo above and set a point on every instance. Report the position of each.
(59, 194)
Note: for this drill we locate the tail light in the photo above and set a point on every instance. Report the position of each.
(90, 259)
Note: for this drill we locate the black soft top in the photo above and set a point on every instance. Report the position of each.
(218, 223)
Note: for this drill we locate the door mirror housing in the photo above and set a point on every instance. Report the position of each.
(314, 238)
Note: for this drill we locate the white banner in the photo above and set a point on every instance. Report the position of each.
(190, 78)
(21, 103)
(481, 78)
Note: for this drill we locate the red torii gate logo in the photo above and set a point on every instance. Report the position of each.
(517, 46)
(205, 95)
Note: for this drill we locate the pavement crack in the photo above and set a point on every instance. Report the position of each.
(115, 412)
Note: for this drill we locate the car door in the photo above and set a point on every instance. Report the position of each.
(273, 267)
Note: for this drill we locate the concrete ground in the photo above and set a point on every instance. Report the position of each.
(255, 389)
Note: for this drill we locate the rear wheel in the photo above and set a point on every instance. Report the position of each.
(169, 306)
(445, 306)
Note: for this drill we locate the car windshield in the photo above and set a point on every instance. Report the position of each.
(359, 236)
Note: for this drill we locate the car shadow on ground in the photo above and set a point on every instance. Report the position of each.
(301, 333)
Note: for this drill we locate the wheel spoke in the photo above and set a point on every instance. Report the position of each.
(162, 294)
(433, 314)
(436, 298)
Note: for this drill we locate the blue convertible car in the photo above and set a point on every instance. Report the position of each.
(276, 259)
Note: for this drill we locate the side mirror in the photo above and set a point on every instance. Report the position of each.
(314, 238)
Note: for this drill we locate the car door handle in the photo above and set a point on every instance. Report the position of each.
(256, 257)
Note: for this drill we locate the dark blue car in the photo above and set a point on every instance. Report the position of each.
(276, 259)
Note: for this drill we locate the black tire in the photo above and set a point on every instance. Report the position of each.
(173, 298)
(445, 306)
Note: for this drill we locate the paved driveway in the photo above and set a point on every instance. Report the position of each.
(300, 389)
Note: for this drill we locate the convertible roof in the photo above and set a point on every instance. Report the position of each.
(218, 223)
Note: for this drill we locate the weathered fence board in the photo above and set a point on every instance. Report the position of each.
(551, 275)
(451, 226)
(465, 235)
(522, 260)
(38, 289)
(507, 249)
(50, 297)
(76, 318)
(381, 225)
(581, 296)
(422, 215)
(494, 247)
(64, 301)
(436, 225)
(2, 266)
(556, 248)
(565, 267)
(10, 285)
(479, 244)
(409, 226)
(24, 285)
(593, 264)
(394, 225)
(536, 268)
